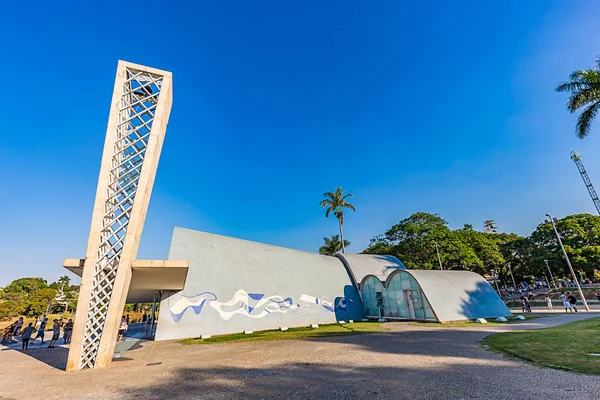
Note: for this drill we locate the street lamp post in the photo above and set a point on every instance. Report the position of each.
(512, 276)
(437, 250)
(587, 308)
(551, 276)
(547, 280)
(495, 278)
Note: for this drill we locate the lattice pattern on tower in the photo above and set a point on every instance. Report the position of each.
(136, 114)
(586, 179)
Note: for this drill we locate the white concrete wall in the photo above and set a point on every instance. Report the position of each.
(235, 285)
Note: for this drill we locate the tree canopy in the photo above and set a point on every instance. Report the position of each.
(584, 86)
(34, 297)
(413, 241)
(332, 245)
(334, 202)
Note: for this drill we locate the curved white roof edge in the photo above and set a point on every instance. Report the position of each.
(455, 295)
(459, 295)
(361, 265)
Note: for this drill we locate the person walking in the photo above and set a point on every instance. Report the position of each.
(572, 301)
(27, 332)
(527, 305)
(41, 330)
(18, 326)
(144, 317)
(67, 331)
(598, 295)
(55, 334)
(565, 302)
(122, 329)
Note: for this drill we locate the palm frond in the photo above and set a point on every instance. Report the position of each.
(348, 205)
(334, 201)
(584, 122)
(327, 212)
(583, 98)
(571, 87)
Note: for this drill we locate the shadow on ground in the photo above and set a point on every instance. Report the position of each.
(314, 380)
(55, 358)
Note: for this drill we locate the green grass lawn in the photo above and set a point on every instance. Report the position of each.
(295, 333)
(565, 346)
(511, 320)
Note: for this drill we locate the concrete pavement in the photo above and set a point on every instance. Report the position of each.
(411, 361)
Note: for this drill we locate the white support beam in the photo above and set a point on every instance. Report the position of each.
(137, 123)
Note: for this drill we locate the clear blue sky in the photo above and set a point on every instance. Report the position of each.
(447, 108)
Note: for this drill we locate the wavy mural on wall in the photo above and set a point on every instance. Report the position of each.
(310, 304)
(179, 303)
(252, 305)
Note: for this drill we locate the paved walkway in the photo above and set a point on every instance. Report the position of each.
(411, 361)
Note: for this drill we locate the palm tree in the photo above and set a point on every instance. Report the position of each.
(584, 86)
(64, 280)
(332, 245)
(334, 202)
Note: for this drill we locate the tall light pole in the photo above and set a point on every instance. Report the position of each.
(587, 308)
(495, 278)
(512, 276)
(551, 276)
(547, 280)
(437, 250)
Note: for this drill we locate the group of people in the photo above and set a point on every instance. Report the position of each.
(16, 329)
(569, 301)
(147, 321)
(525, 304)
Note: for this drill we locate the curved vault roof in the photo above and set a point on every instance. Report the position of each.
(458, 295)
(361, 265)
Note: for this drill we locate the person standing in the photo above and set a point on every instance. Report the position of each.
(144, 317)
(67, 331)
(549, 303)
(55, 334)
(122, 329)
(565, 302)
(572, 301)
(27, 332)
(598, 295)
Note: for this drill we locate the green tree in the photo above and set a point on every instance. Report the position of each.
(26, 285)
(64, 281)
(40, 303)
(517, 252)
(70, 301)
(334, 202)
(332, 245)
(412, 241)
(580, 234)
(584, 86)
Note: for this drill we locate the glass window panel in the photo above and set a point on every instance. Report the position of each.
(418, 304)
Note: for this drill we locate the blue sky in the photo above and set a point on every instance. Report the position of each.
(447, 108)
